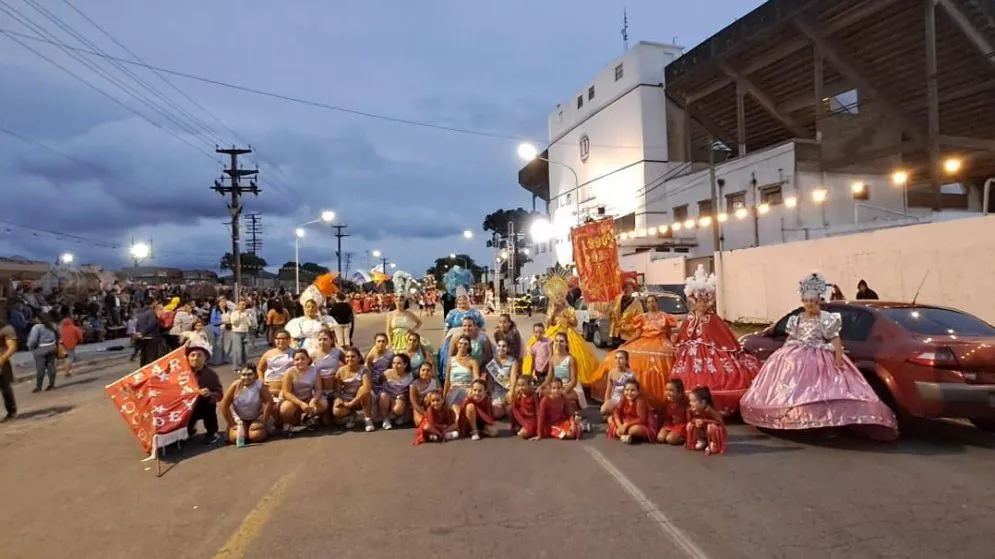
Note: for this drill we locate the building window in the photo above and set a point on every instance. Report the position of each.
(619, 72)
(735, 201)
(705, 207)
(771, 195)
(847, 103)
(567, 201)
(580, 101)
(590, 93)
(681, 213)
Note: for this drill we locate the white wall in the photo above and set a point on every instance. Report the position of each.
(657, 268)
(776, 165)
(761, 284)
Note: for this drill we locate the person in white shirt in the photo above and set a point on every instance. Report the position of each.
(304, 330)
(242, 321)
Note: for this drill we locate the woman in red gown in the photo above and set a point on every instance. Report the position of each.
(708, 353)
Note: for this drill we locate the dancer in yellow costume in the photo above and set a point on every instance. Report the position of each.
(563, 319)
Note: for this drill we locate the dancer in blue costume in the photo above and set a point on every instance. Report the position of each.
(457, 280)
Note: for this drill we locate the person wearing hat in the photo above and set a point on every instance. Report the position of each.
(627, 307)
(205, 408)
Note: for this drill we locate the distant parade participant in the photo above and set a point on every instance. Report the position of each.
(624, 312)
(810, 383)
(305, 329)
(708, 353)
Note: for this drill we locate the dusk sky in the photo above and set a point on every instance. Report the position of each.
(493, 67)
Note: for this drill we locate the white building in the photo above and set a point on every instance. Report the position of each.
(606, 141)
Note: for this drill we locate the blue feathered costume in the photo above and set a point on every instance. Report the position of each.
(457, 280)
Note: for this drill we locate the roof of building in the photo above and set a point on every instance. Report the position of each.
(877, 47)
(534, 177)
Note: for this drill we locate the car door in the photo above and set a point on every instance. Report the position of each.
(855, 333)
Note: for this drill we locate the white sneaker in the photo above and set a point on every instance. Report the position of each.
(452, 435)
(369, 426)
(475, 437)
(387, 426)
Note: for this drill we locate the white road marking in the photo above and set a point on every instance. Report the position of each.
(666, 526)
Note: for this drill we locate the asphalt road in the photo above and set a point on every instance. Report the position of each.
(72, 485)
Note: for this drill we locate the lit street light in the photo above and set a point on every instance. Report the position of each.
(952, 165)
(139, 252)
(527, 152)
(467, 234)
(327, 217)
(66, 258)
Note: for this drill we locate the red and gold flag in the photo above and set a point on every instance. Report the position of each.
(596, 258)
(157, 399)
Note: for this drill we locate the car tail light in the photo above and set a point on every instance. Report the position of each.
(938, 358)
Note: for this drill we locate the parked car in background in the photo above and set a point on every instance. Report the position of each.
(923, 361)
(596, 328)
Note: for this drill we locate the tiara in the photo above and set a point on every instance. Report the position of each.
(813, 284)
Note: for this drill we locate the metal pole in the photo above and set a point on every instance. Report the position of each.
(297, 263)
(933, 104)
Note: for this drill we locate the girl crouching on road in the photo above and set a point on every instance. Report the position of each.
(246, 405)
(301, 400)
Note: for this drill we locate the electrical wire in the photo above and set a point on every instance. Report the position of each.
(91, 243)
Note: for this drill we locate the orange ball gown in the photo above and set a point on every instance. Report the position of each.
(708, 354)
(651, 357)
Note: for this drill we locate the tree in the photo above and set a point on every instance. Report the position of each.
(442, 265)
(252, 264)
(308, 271)
(498, 220)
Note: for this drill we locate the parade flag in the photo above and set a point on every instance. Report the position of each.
(380, 277)
(596, 258)
(156, 400)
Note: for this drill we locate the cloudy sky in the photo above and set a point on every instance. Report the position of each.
(89, 167)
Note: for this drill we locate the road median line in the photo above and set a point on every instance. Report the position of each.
(667, 526)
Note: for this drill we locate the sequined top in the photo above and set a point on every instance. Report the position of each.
(815, 333)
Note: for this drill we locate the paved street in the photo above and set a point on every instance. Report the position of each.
(72, 485)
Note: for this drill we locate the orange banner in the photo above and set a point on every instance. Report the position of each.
(596, 258)
(158, 398)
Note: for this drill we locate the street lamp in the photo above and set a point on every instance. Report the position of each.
(467, 234)
(952, 165)
(327, 217)
(528, 152)
(380, 255)
(139, 252)
(66, 258)
(541, 230)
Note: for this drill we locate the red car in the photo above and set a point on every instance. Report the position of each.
(923, 361)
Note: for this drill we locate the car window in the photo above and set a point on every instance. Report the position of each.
(857, 323)
(781, 328)
(671, 305)
(938, 322)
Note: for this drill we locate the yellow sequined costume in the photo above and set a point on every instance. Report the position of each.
(563, 319)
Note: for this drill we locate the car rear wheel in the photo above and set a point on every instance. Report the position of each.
(881, 389)
(596, 337)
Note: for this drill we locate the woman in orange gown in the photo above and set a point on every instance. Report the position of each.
(708, 353)
(651, 354)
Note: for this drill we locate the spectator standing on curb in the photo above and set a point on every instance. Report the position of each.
(341, 311)
(8, 346)
(242, 321)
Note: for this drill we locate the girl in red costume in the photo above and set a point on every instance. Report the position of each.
(675, 414)
(556, 414)
(477, 413)
(708, 353)
(524, 409)
(439, 422)
(632, 420)
(705, 429)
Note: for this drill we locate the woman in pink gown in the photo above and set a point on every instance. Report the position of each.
(810, 384)
(708, 353)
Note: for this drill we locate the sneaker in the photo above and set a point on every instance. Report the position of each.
(213, 439)
(475, 437)
(387, 426)
(36, 389)
(350, 423)
(50, 387)
(433, 438)
(9, 417)
(369, 426)
(700, 445)
(452, 435)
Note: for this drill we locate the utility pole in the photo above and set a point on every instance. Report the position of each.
(348, 262)
(254, 229)
(716, 234)
(339, 235)
(236, 190)
(512, 260)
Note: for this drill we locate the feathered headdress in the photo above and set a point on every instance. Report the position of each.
(813, 285)
(557, 286)
(457, 277)
(700, 286)
(402, 283)
(322, 288)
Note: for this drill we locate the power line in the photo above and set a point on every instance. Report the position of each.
(55, 151)
(99, 90)
(91, 243)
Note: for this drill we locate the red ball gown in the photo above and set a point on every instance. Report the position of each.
(708, 354)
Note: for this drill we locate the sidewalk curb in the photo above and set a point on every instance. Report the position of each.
(27, 371)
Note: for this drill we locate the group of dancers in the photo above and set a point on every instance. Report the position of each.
(656, 387)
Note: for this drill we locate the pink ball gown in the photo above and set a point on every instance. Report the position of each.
(800, 386)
